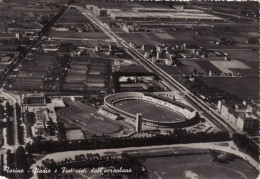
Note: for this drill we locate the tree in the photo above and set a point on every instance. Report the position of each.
(20, 158)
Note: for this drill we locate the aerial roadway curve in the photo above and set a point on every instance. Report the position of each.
(172, 83)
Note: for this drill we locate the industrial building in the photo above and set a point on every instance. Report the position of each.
(180, 16)
(33, 80)
(34, 99)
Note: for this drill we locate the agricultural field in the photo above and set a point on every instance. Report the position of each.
(197, 166)
(240, 87)
(225, 66)
(164, 36)
(208, 66)
(254, 70)
(171, 70)
(192, 65)
(245, 55)
(86, 35)
(141, 38)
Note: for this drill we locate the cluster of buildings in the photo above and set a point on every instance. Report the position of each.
(124, 65)
(39, 116)
(84, 27)
(167, 14)
(241, 115)
(31, 72)
(98, 11)
(84, 73)
(139, 83)
(162, 53)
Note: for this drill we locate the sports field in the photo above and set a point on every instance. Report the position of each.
(149, 110)
(197, 166)
(86, 118)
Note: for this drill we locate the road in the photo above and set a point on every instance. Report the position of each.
(172, 83)
(24, 52)
(12, 102)
(12, 99)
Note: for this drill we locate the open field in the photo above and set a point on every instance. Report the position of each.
(197, 166)
(87, 118)
(247, 55)
(240, 34)
(164, 36)
(225, 66)
(191, 65)
(129, 5)
(240, 87)
(207, 66)
(86, 35)
(254, 70)
(141, 38)
(75, 134)
(149, 111)
(171, 70)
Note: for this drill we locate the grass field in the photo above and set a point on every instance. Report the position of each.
(197, 166)
(149, 111)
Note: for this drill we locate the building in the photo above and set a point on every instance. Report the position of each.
(33, 80)
(138, 122)
(241, 115)
(168, 62)
(34, 99)
(43, 125)
(166, 16)
(97, 10)
(248, 122)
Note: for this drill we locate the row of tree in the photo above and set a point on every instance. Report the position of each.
(90, 161)
(20, 129)
(9, 109)
(10, 131)
(247, 145)
(39, 146)
(18, 161)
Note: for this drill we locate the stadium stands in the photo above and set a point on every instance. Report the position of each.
(177, 107)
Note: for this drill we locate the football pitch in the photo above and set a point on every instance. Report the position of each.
(149, 111)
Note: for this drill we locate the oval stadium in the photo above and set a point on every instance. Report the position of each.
(156, 110)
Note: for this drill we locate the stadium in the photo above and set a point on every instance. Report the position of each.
(156, 110)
